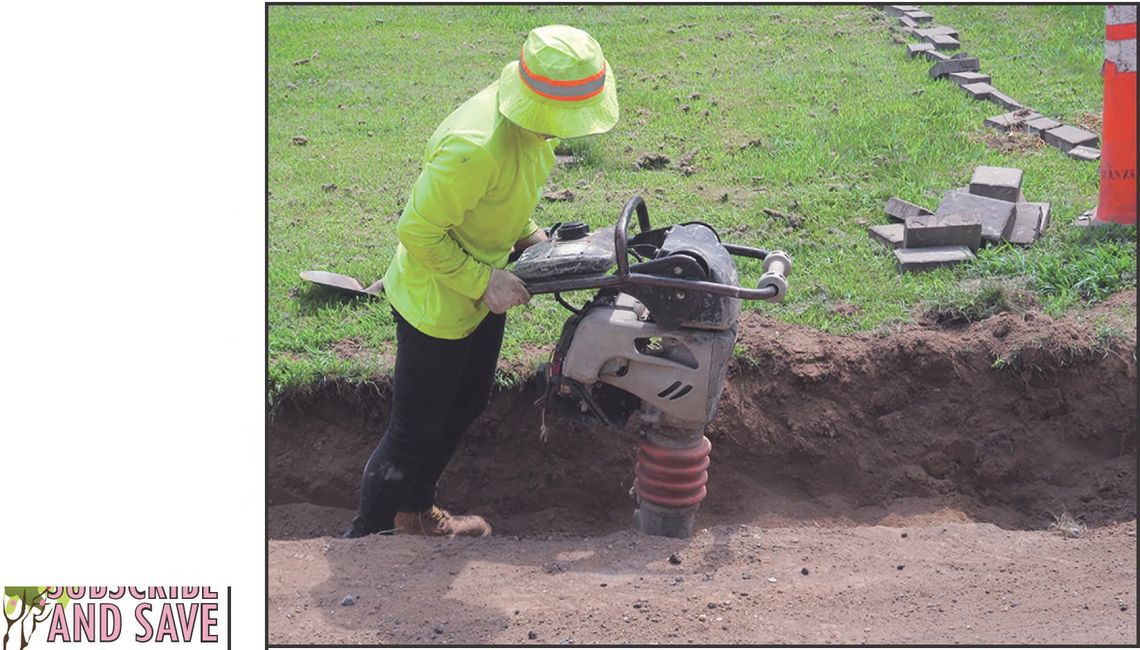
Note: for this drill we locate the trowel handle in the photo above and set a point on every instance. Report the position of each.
(621, 237)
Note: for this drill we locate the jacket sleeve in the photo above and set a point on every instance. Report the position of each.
(529, 229)
(532, 226)
(455, 177)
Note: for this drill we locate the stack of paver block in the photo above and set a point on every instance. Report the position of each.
(991, 210)
(964, 70)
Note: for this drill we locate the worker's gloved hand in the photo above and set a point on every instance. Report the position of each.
(505, 290)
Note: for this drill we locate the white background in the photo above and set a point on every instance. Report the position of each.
(132, 324)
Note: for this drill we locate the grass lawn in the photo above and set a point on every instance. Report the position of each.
(811, 111)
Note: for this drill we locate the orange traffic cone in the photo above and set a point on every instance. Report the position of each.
(1118, 150)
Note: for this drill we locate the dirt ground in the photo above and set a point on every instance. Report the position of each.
(914, 475)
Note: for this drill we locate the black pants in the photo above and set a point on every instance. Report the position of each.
(439, 387)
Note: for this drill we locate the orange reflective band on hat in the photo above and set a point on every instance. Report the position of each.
(566, 91)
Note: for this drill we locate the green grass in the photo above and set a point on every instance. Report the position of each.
(839, 120)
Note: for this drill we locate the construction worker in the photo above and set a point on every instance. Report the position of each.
(484, 168)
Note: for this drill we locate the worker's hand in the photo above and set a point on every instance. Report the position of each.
(536, 237)
(505, 290)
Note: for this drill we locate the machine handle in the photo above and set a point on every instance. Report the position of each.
(745, 251)
(777, 268)
(773, 284)
(767, 292)
(621, 236)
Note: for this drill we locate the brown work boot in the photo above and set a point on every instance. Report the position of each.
(437, 522)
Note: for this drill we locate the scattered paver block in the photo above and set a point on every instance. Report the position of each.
(960, 55)
(943, 68)
(1084, 153)
(919, 16)
(923, 259)
(995, 215)
(1066, 137)
(979, 90)
(1026, 224)
(898, 209)
(1020, 194)
(1005, 101)
(907, 21)
(1002, 183)
(929, 230)
(1043, 224)
(899, 10)
(938, 29)
(889, 235)
(934, 55)
(943, 42)
(962, 78)
(1012, 119)
(914, 49)
(1036, 126)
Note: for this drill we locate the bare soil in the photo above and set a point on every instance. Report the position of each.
(914, 475)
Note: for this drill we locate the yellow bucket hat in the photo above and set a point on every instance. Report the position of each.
(561, 85)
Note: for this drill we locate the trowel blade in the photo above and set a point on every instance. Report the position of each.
(343, 283)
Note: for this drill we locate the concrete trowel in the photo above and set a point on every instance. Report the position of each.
(344, 283)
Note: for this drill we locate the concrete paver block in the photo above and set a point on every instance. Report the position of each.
(1012, 119)
(979, 90)
(898, 209)
(1005, 101)
(994, 214)
(1026, 224)
(938, 29)
(943, 68)
(899, 10)
(922, 259)
(1043, 224)
(1020, 194)
(1084, 153)
(961, 78)
(934, 55)
(908, 21)
(919, 16)
(914, 49)
(889, 235)
(929, 230)
(943, 42)
(1003, 183)
(1040, 124)
(1066, 137)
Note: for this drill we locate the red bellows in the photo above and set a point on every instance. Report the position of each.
(671, 477)
(1118, 150)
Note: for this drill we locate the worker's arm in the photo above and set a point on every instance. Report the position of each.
(529, 236)
(532, 233)
(452, 182)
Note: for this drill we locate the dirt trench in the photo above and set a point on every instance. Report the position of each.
(1010, 421)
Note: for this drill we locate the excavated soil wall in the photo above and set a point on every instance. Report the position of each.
(1013, 420)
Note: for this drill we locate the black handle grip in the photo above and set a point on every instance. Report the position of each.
(621, 237)
(745, 251)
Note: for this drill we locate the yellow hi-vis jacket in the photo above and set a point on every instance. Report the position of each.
(481, 180)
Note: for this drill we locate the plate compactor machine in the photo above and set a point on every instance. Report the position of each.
(655, 340)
